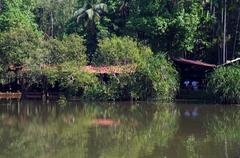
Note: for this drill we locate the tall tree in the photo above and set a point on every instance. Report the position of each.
(171, 26)
(224, 32)
(51, 15)
(90, 14)
(85, 22)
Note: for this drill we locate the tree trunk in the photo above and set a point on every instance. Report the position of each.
(236, 33)
(52, 31)
(1, 6)
(224, 32)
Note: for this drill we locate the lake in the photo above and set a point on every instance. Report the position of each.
(118, 130)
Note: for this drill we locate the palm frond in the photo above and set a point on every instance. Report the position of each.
(90, 14)
(101, 7)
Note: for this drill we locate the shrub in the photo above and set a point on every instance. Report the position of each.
(61, 59)
(224, 84)
(66, 77)
(146, 82)
(163, 77)
(154, 75)
(71, 48)
(98, 91)
(56, 51)
(121, 50)
(76, 50)
(20, 46)
(157, 79)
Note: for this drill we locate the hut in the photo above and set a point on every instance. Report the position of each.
(103, 72)
(193, 70)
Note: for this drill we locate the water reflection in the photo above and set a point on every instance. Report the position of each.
(136, 138)
(225, 131)
(191, 112)
(77, 130)
(117, 130)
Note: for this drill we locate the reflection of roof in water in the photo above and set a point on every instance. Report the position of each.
(105, 122)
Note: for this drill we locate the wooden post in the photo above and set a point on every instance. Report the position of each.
(44, 89)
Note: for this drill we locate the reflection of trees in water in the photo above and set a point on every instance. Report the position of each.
(70, 133)
(222, 137)
(50, 130)
(226, 127)
(225, 131)
(192, 147)
(64, 135)
(133, 138)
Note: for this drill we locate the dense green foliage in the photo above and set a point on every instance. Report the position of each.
(167, 26)
(163, 76)
(20, 46)
(40, 34)
(151, 76)
(70, 49)
(121, 50)
(70, 79)
(176, 27)
(224, 84)
(16, 13)
(51, 16)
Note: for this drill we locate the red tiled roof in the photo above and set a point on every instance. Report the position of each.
(130, 68)
(194, 62)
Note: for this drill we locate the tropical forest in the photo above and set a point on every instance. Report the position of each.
(119, 78)
(118, 49)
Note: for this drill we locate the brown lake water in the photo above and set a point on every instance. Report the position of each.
(33, 129)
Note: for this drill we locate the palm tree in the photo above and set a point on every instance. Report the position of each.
(90, 14)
